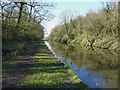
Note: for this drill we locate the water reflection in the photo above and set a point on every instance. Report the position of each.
(95, 67)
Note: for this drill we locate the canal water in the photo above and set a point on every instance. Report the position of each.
(96, 67)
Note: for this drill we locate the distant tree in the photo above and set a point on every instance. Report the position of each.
(68, 17)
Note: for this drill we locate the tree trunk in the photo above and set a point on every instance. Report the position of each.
(30, 13)
(20, 13)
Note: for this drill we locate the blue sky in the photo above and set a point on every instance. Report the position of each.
(78, 8)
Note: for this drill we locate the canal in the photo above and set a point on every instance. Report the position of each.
(96, 67)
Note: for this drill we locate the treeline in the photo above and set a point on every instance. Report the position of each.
(95, 29)
(21, 25)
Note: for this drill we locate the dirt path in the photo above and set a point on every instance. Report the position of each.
(18, 73)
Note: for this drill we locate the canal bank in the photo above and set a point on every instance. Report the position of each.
(44, 70)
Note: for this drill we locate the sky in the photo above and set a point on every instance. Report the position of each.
(68, 8)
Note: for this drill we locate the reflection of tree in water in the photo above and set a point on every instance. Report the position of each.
(68, 50)
(104, 62)
(94, 59)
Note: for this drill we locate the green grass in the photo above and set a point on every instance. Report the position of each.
(44, 70)
(8, 65)
(10, 61)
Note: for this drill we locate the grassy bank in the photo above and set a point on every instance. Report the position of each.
(105, 42)
(43, 70)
